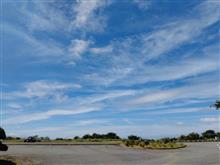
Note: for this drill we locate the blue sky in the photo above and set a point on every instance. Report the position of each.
(149, 68)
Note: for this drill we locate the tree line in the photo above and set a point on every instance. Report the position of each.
(205, 136)
(208, 135)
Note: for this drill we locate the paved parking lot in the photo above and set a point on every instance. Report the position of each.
(194, 154)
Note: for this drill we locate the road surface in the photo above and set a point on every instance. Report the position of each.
(194, 154)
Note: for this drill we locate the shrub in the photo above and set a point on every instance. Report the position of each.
(87, 136)
(2, 133)
(193, 136)
(209, 134)
(76, 137)
(59, 139)
(133, 137)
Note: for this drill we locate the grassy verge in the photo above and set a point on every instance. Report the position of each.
(67, 142)
(9, 160)
(152, 145)
(129, 143)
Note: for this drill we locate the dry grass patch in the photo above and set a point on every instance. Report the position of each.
(152, 144)
(11, 160)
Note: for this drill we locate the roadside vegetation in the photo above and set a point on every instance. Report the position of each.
(130, 141)
(171, 143)
(207, 136)
(12, 160)
(153, 144)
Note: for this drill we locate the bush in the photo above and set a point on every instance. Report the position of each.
(76, 137)
(2, 133)
(159, 144)
(110, 135)
(87, 136)
(165, 140)
(209, 134)
(59, 139)
(133, 137)
(193, 136)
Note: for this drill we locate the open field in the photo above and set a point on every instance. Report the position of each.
(194, 154)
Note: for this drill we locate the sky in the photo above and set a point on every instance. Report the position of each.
(149, 68)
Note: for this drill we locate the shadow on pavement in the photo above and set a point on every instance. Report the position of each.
(6, 162)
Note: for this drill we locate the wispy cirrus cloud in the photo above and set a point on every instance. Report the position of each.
(77, 48)
(135, 72)
(29, 47)
(131, 56)
(43, 16)
(210, 120)
(178, 110)
(86, 16)
(143, 4)
(157, 97)
(168, 68)
(43, 89)
(106, 95)
(48, 114)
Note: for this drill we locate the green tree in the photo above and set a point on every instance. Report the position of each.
(193, 136)
(209, 134)
(218, 134)
(76, 137)
(2, 133)
(133, 137)
(87, 136)
(216, 105)
(182, 138)
(112, 135)
(3, 147)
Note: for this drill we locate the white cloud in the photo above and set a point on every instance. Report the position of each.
(127, 68)
(102, 50)
(48, 114)
(155, 97)
(143, 4)
(108, 95)
(134, 53)
(178, 110)
(158, 97)
(210, 120)
(43, 89)
(42, 16)
(86, 16)
(178, 70)
(127, 64)
(26, 44)
(91, 122)
(180, 123)
(77, 48)
(65, 17)
(14, 105)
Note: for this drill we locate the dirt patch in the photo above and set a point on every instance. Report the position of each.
(11, 160)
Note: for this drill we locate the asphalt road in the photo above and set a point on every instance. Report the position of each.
(194, 154)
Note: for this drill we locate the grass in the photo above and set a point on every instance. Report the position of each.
(129, 143)
(165, 146)
(68, 142)
(152, 145)
(9, 160)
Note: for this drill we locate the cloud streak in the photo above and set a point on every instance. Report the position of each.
(48, 114)
(86, 16)
(43, 89)
(81, 62)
